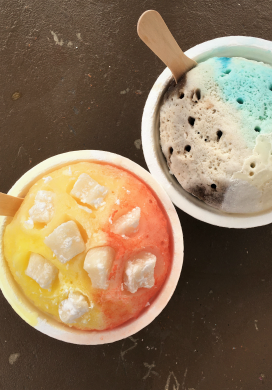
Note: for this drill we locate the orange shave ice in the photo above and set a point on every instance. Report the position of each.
(90, 246)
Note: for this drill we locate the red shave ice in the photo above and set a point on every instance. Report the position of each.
(153, 235)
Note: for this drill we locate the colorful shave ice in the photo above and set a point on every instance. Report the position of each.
(90, 246)
(216, 133)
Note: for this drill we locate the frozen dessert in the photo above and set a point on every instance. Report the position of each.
(90, 246)
(216, 133)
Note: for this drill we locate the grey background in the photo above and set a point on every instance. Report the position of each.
(89, 93)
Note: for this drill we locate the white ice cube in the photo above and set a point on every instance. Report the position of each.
(73, 307)
(47, 179)
(87, 190)
(85, 209)
(29, 224)
(41, 270)
(67, 172)
(139, 271)
(128, 223)
(65, 241)
(98, 262)
(43, 209)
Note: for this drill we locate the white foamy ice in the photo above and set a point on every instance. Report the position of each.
(43, 209)
(73, 307)
(128, 223)
(250, 189)
(65, 241)
(139, 271)
(87, 190)
(98, 263)
(217, 152)
(41, 270)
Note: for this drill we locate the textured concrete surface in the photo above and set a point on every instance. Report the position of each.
(74, 75)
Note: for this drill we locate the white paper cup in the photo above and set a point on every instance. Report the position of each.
(247, 47)
(40, 321)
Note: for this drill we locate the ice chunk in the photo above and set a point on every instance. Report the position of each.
(139, 271)
(43, 209)
(47, 179)
(65, 241)
(73, 307)
(98, 262)
(44, 196)
(68, 172)
(29, 224)
(85, 208)
(128, 223)
(87, 190)
(41, 270)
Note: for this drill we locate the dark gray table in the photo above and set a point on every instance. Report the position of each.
(74, 75)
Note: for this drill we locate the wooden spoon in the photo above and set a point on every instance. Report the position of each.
(9, 204)
(155, 34)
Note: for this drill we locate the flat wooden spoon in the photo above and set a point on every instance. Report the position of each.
(9, 204)
(155, 34)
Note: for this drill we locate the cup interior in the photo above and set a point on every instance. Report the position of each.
(247, 47)
(42, 322)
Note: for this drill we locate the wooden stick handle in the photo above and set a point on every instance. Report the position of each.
(9, 204)
(155, 34)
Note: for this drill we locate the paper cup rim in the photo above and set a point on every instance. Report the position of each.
(233, 46)
(51, 327)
